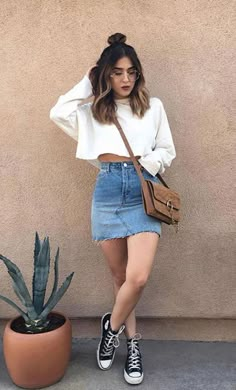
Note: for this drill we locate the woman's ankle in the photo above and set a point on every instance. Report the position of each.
(135, 336)
(130, 335)
(113, 328)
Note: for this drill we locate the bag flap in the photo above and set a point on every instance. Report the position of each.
(163, 194)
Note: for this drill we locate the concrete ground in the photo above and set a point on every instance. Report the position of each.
(169, 365)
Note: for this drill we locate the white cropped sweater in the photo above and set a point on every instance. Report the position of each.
(149, 137)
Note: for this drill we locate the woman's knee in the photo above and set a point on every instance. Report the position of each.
(137, 281)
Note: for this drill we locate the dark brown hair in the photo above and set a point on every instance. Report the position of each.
(104, 106)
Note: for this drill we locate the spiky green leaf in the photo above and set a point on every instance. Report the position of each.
(22, 289)
(17, 291)
(10, 265)
(24, 296)
(41, 272)
(55, 284)
(37, 247)
(11, 303)
(59, 294)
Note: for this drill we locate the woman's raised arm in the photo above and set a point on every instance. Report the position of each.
(64, 112)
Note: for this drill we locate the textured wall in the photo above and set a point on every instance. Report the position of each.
(186, 48)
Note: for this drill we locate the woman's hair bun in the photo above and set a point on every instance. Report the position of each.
(116, 38)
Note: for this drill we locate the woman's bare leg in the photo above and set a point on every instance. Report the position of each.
(141, 254)
(116, 255)
(130, 323)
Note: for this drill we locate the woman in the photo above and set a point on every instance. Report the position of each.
(127, 236)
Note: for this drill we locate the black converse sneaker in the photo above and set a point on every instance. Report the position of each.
(133, 372)
(108, 343)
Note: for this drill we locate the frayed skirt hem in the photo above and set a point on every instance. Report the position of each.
(99, 241)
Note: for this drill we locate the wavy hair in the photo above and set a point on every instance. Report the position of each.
(104, 106)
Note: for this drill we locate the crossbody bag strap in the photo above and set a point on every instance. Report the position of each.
(136, 165)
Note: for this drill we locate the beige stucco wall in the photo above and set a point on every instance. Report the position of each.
(186, 48)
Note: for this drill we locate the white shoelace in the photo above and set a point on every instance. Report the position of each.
(134, 357)
(111, 341)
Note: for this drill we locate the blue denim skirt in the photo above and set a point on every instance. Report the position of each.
(117, 209)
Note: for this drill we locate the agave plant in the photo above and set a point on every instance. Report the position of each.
(36, 310)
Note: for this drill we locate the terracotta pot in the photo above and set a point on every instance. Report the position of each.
(37, 360)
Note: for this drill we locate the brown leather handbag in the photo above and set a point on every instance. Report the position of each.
(159, 200)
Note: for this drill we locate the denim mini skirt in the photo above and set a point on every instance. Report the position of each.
(117, 209)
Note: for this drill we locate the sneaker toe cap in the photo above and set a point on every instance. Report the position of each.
(135, 374)
(105, 363)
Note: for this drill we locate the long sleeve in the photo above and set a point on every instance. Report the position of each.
(164, 150)
(64, 112)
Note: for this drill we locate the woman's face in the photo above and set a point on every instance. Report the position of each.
(122, 78)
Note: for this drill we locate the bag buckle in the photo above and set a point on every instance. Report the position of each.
(170, 206)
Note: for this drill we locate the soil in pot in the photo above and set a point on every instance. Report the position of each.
(55, 321)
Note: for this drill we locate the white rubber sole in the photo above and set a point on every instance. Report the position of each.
(133, 381)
